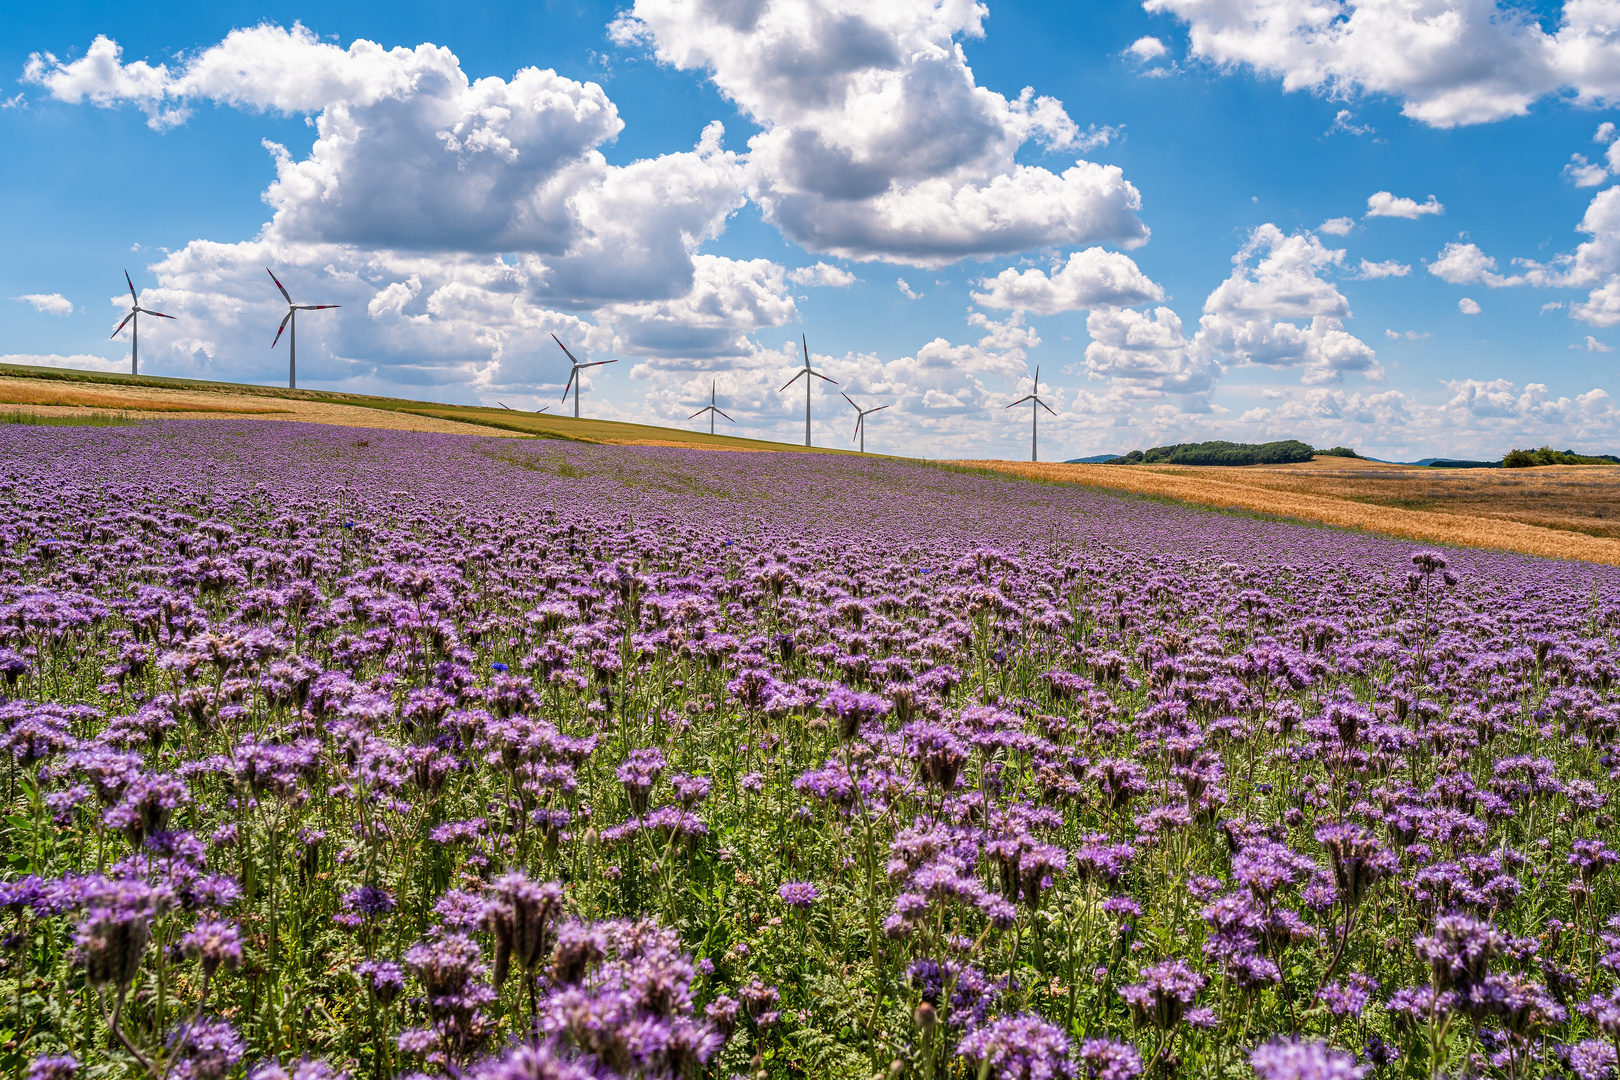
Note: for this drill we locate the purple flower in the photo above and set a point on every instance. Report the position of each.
(209, 1049)
(1348, 998)
(1105, 1059)
(1460, 950)
(53, 1067)
(638, 774)
(384, 978)
(215, 943)
(1163, 995)
(1359, 859)
(798, 894)
(117, 928)
(1590, 1059)
(363, 905)
(1291, 1059)
(520, 914)
(1022, 1047)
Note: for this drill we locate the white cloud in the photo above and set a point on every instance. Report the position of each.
(1551, 305)
(1339, 226)
(1389, 268)
(1466, 264)
(1468, 307)
(1146, 354)
(826, 274)
(1449, 62)
(1605, 133)
(1594, 345)
(1384, 204)
(47, 303)
(16, 101)
(1410, 335)
(1583, 173)
(729, 299)
(906, 290)
(1089, 279)
(1145, 49)
(877, 144)
(411, 154)
(1342, 125)
(1250, 317)
(1502, 400)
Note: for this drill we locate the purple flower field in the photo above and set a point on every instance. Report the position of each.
(335, 752)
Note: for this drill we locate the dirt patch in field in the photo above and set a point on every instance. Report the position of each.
(146, 402)
(1473, 508)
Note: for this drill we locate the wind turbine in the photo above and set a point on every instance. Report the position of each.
(711, 409)
(860, 418)
(135, 312)
(1035, 416)
(292, 317)
(573, 376)
(804, 373)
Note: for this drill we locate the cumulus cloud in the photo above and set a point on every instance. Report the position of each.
(1502, 400)
(1449, 62)
(1252, 317)
(877, 142)
(1385, 204)
(411, 154)
(826, 274)
(1146, 353)
(1339, 226)
(1089, 279)
(1144, 49)
(906, 290)
(47, 303)
(1369, 271)
(1466, 264)
(1583, 173)
(1468, 307)
(1592, 344)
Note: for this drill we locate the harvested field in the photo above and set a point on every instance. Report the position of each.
(1522, 510)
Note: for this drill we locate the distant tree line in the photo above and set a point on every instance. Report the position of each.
(1525, 459)
(1283, 452)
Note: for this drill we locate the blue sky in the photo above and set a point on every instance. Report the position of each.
(1363, 231)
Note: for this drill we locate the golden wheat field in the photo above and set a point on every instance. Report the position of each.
(1559, 511)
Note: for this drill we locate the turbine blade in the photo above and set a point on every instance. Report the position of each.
(1021, 400)
(857, 432)
(1045, 406)
(700, 412)
(723, 414)
(819, 375)
(806, 342)
(316, 307)
(599, 363)
(846, 397)
(159, 314)
(570, 383)
(564, 348)
(878, 409)
(280, 328)
(505, 406)
(542, 408)
(279, 285)
(128, 317)
(793, 380)
(131, 285)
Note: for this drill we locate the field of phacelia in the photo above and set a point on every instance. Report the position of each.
(333, 752)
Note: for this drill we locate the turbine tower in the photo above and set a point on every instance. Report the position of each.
(574, 379)
(135, 313)
(860, 418)
(805, 373)
(1034, 413)
(292, 317)
(711, 409)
